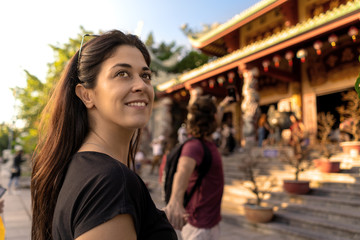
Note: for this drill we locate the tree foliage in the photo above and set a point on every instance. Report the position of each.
(4, 137)
(164, 52)
(8, 133)
(35, 95)
(192, 60)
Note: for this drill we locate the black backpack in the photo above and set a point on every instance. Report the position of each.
(172, 160)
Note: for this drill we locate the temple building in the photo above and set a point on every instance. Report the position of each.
(285, 55)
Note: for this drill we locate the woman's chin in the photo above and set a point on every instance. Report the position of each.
(137, 124)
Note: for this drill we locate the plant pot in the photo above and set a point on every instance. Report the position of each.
(327, 166)
(351, 147)
(296, 187)
(258, 214)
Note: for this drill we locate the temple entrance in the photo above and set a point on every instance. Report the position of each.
(329, 103)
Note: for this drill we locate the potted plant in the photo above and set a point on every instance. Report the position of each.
(299, 158)
(350, 115)
(260, 186)
(324, 164)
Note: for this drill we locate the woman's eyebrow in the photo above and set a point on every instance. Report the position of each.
(126, 65)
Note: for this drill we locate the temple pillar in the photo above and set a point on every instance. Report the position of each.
(250, 106)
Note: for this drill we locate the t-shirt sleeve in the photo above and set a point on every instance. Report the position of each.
(194, 150)
(102, 198)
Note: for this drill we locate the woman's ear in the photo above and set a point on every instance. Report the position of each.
(85, 95)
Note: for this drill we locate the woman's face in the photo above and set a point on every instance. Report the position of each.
(123, 94)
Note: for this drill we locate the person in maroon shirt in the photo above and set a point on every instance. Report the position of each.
(200, 219)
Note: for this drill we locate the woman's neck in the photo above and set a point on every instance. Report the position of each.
(111, 143)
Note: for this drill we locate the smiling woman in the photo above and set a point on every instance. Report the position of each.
(82, 186)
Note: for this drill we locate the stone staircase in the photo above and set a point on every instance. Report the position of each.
(228, 231)
(330, 211)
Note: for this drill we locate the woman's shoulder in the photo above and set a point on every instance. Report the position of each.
(90, 157)
(193, 143)
(95, 164)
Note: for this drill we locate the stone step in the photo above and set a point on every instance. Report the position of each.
(262, 161)
(266, 171)
(337, 192)
(343, 209)
(351, 216)
(229, 231)
(286, 231)
(335, 228)
(315, 176)
(232, 208)
(234, 177)
(336, 211)
(336, 202)
(341, 185)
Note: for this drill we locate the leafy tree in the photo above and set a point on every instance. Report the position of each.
(7, 132)
(192, 60)
(35, 95)
(150, 40)
(4, 137)
(173, 59)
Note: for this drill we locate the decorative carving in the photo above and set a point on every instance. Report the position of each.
(323, 67)
(323, 6)
(317, 73)
(347, 55)
(334, 4)
(250, 105)
(331, 61)
(318, 10)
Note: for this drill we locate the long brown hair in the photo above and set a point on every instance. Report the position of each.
(64, 126)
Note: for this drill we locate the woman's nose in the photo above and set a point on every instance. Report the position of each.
(138, 84)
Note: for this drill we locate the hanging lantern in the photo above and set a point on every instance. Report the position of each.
(317, 46)
(231, 76)
(183, 93)
(332, 40)
(276, 60)
(353, 31)
(301, 54)
(266, 64)
(289, 55)
(211, 83)
(221, 80)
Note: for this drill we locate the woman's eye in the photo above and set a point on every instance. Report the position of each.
(146, 76)
(122, 74)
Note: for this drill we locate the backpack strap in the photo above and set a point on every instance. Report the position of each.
(172, 160)
(203, 169)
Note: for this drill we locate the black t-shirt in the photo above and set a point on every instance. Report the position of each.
(96, 189)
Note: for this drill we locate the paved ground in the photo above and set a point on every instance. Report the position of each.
(17, 215)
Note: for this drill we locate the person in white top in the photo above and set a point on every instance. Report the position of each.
(157, 148)
(182, 133)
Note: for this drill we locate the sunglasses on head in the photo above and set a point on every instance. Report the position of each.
(81, 45)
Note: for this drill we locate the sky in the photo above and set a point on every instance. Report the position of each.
(29, 27)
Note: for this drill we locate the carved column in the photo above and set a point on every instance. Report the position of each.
(250, 106)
